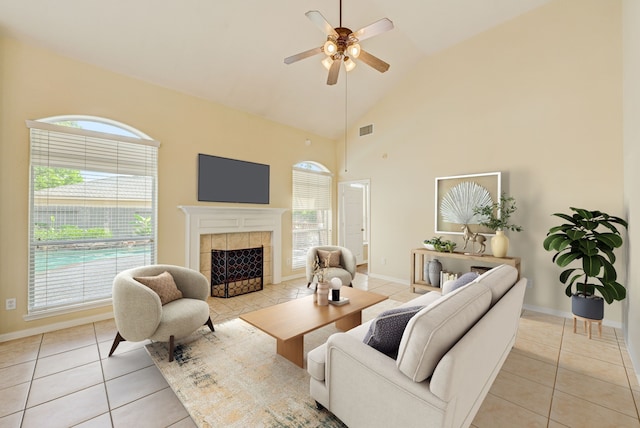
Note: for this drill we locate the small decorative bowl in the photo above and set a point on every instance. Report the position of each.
(429, 246)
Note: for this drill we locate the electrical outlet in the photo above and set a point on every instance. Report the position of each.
(384, 260)
(529, 283)
(10, 304)
(288, 261)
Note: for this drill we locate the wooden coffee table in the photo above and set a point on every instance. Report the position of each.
(288, 322)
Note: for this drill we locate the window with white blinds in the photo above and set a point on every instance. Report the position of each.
(92, 211)
(311, 211)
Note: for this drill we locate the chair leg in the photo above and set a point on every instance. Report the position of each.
(116, 342)
(210, 324)
(171, 340)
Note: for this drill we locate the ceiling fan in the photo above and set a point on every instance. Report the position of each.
(342, 45)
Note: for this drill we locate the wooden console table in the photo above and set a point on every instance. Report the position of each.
(418, 256)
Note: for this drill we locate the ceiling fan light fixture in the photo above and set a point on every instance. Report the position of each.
(330, 47)
(354, 50)
(349, 64)
(327, 62)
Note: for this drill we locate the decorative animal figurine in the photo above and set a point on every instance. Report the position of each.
(473, 237)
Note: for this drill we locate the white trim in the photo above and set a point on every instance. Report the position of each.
(389, 278)
(568, 315)
(204, 220)
(292, 277)
(20, 334)
(45, 126)
(47, 313)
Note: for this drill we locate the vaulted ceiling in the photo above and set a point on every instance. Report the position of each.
(231, 52)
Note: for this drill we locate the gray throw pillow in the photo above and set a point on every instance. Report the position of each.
(463, 280)
(385, 331)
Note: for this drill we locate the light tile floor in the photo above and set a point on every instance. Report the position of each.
(552, 378)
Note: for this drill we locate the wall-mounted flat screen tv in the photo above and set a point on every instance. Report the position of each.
(230, 180)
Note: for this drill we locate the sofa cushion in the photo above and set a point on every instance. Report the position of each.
(435, 329)
(163, 285)
(329, 259)
(385, 332)
(499, 280)
(460, 282)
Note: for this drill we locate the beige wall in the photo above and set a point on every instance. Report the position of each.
(36, 83)
(631, 26)
(537, 98)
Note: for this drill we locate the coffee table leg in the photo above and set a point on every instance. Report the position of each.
(350, 321)
(292, 350)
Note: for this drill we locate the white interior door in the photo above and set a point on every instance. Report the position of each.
(352, 221)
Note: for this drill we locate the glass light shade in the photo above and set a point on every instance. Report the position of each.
(327, 62)
(330, 47)
(354, 50)
(349, 64)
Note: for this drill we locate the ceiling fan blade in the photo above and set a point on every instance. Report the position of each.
(317, 18)
(303, 55)
(332, 79)
(373, 61)
(378, 27)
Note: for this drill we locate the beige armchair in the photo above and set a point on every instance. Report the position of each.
(140, 315)
(345, 268)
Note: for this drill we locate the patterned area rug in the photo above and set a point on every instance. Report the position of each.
(233, 377)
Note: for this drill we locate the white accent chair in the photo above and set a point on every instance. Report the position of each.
(139, 315)
(346, 272)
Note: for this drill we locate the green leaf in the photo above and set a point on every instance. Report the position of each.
(566, 258)
(557, 242)
(565, 275)
(583, 213)
(566, 217)
(610, 239)
(575, 235)
(568, 291)
(591, 266)
(608, 297)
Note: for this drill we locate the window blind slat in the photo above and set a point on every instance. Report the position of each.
(311, 213)
(92, 214)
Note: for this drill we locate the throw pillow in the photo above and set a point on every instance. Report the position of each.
(329, 258)
(163, 285)
(385, 331)
(463, 280)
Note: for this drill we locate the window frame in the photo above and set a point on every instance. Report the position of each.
(324, 216)
(126, 138)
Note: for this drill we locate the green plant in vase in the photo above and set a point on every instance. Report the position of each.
(496, 216)
(588, 237)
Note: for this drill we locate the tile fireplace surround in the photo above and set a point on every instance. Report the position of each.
(229, 228)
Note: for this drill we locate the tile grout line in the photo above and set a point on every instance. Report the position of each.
(555, 378)
(24, 409)
(104, 379)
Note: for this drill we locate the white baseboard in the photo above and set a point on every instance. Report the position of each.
(563, 314)
(290, 277)
(389, 278)
(52, 327)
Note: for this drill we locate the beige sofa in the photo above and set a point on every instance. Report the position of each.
(449, 355)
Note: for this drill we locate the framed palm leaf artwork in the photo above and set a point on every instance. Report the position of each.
(458, 195)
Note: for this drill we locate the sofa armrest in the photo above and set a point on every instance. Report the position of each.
(362, 382)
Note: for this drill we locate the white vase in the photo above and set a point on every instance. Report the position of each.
(500, 244)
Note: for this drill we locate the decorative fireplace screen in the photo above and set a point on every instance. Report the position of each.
(235, 272)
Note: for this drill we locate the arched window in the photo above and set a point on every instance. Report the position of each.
(311, 210)
(93, 210)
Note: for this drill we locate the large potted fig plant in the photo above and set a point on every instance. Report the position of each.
(588, 238)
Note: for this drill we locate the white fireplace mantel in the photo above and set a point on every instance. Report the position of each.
(203, 220)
